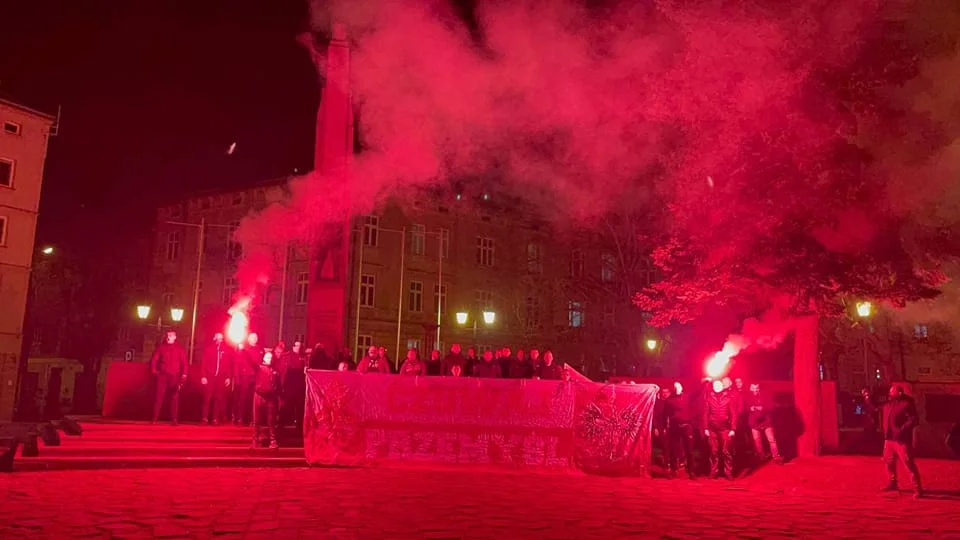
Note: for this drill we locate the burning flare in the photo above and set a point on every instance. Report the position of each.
(239, 325)
(718, 364)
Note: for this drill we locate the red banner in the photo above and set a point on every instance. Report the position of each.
(355, 419)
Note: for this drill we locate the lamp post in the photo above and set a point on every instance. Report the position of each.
(489, 317)
(864, 311)
(143, 313)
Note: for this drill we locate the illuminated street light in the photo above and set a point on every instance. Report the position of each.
(461, 317)
(864, 309)
(176, 314)
(489, 317)
(47, 250)
(143, 312)
(652, 344)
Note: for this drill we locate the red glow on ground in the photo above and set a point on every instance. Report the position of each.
(239, 325)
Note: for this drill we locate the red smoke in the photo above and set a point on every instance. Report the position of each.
(589, 109)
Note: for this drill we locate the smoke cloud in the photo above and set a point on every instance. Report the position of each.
(587, 107)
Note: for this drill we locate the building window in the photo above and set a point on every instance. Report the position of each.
(418, 238)
(609, 314)
(531, 318)
(575, 314)
(484, 251)
(363, 343)
(576, 264)
(173, 246)
(237, 199)
(229, 289)
(234, 248)
(176, 212)
(649, 273)
(534, 258)
(413, 344)
(300, 338)
(439, 298)
(166, 299)
(205, 203)
(368, 285)
(920, 331)
(484, 300)
(445, 243)
(924, 370)
(6, 173)
(609, 268)
(415, 302)
(12, 128)
(371, 231)
(3, 230)
(303, 282)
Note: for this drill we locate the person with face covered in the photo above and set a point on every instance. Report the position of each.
(244, 375)
(294, 385)
(719, 427)
(217, 367)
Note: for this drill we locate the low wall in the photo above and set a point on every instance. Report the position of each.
(362, 419)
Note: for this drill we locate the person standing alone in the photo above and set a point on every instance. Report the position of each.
(899, 419)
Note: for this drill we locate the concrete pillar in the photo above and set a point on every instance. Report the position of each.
(806, 384)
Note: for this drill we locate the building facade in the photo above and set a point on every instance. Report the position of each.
(414, 264)
(24, 135)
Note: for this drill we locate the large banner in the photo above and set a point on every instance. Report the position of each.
(359, 419)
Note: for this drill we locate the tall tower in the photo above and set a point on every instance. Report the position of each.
(329, 262)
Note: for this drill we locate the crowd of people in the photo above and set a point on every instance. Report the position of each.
(735, 426)
(266, 387)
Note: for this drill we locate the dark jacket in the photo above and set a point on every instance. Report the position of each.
(719, 411)
(553, 372)
(247, 362)
(319, 359)
(759, 411)
(677, 410)
(218, 362)
(169, 359)
(660, 414)
(521, 369)
(433, 366)
(373, 365)
(487, 370)
(451, 360)
(899, 419)
(414, 367)
(268, 381)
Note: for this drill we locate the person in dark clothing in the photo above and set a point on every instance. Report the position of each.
(217, 371)
(953, 439)
(433, 365)
(488, 368)
(472, 359)
(534, 360)
(680, 430)
(520, 367)
(373, 362)
(899, 419)
(319, 359)
(550, 370)
(245, 367)
(506, 358)
(660, 439)
(720, 427)
(169, 367)
(294, 386)
(268, 387)
(344, 357)
(759, 410)
(412, 365)
(454, 358)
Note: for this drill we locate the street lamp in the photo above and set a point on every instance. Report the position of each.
(143, 313)
(489, 317)
(47, 250)
(864, 311)
(652, 344)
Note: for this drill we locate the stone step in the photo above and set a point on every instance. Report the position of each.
(147, 461)
(169, 450)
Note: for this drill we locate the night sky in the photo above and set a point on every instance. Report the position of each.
(152, 96)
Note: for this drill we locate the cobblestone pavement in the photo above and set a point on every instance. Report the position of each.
(826, 498)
